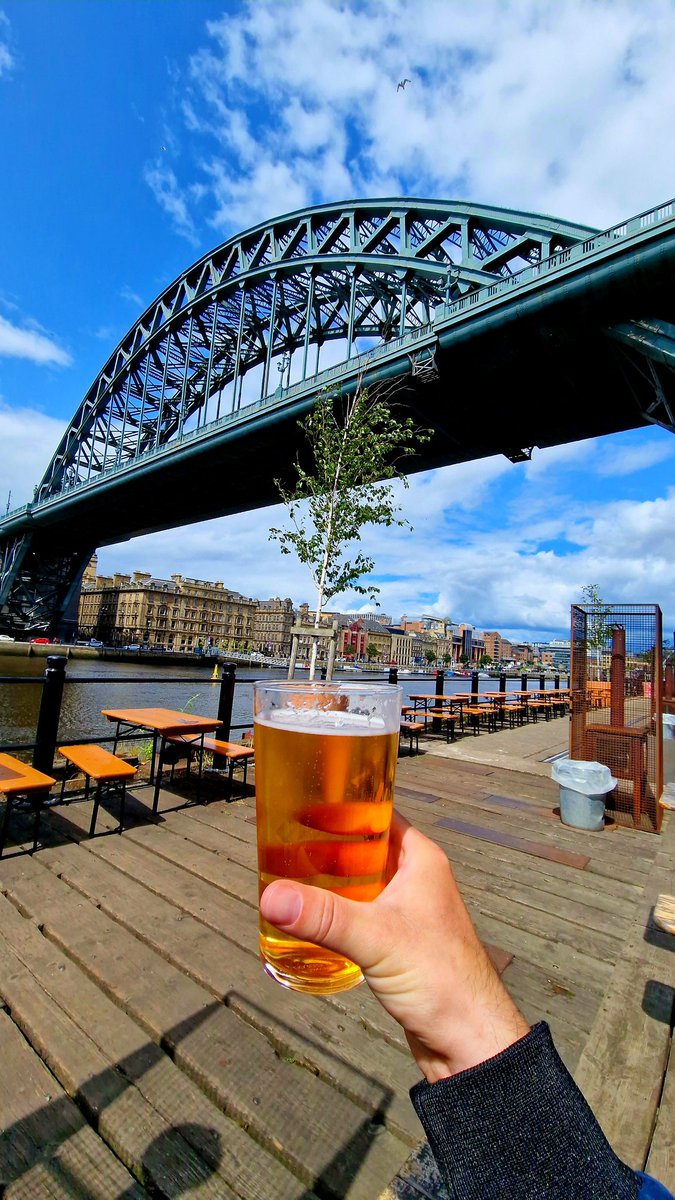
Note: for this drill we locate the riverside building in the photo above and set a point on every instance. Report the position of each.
(180, 614)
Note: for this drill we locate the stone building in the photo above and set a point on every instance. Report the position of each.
(179, 614)
(272, 627)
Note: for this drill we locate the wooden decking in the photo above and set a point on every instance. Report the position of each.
(144, 1051)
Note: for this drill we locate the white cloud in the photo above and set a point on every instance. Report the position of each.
(133, 297)
(628, 459)
(28, 439)
(6, 56)
(16, 342)
(164, 185)
(520, 104)
(569, 456)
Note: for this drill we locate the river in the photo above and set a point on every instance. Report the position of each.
(93, 684)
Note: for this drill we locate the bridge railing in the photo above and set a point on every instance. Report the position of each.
(598, 243)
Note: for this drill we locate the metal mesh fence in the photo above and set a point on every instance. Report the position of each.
(616, 686)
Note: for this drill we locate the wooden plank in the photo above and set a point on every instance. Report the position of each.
(603, 933)
(571, 968)
(603, 871)
(622, 1069)
(620, 846)
(537, 849)
(598, 947)
(610, 909)
(44, 1133)
(623, 1062)
(156, 1120)
(237, 974)
(213, 866)
(661, 1160)
(569, 1010)
(255, 1083)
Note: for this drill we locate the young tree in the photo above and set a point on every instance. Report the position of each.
(596, 625)
(430, 657)
(355, 444)
(447, 659)
(372, 651)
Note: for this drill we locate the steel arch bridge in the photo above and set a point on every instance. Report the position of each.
(507, 330)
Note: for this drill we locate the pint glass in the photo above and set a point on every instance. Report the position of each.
(325, 758)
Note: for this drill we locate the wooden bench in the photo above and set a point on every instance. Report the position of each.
(412, 730)
(534, 707)
(515, 712)
(449, 719)
(234, 754)
(480, 712)
(109, 771)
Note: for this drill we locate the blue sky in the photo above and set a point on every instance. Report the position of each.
(137, 134)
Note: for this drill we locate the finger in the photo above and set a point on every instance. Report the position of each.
(319, 916)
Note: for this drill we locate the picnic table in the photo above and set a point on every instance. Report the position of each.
(162, 723)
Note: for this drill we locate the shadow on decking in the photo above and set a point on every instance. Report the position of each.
(56, 828)
(658, 1001)
(173, 1163)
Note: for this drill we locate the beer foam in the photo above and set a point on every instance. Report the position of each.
(321, 720)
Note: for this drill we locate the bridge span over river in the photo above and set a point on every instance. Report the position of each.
(506, 330)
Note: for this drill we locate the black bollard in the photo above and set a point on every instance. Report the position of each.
(474, 687)
(542, 683)
(440, 682)
(324, 672)
(556, 682)
(393, 675)
(225, 699)
(47, 732)
(500, 705)
(523, 683)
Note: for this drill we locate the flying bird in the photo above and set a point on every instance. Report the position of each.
(401, 84)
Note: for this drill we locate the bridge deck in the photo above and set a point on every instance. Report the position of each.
(123, 1068)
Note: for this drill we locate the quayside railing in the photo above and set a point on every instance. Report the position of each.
(55, 680)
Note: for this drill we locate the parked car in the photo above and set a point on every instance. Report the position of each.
(94, 642)
(133, 647)
(40, 642)
(4, 637)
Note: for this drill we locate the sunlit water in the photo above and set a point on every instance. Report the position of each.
(132, 685)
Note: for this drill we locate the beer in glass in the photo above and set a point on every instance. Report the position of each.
(325, 759)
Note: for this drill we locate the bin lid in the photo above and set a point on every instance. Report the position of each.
(591, 778)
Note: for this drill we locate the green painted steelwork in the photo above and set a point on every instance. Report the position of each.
(503, 325)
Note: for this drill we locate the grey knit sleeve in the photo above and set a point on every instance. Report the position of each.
(518, 1127)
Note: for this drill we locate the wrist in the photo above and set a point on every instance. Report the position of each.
(467, 1044)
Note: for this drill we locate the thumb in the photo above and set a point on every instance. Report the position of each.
(316, 915)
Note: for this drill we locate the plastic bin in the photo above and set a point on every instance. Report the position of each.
(583, 787)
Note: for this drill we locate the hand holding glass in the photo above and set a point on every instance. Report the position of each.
(325, 764)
